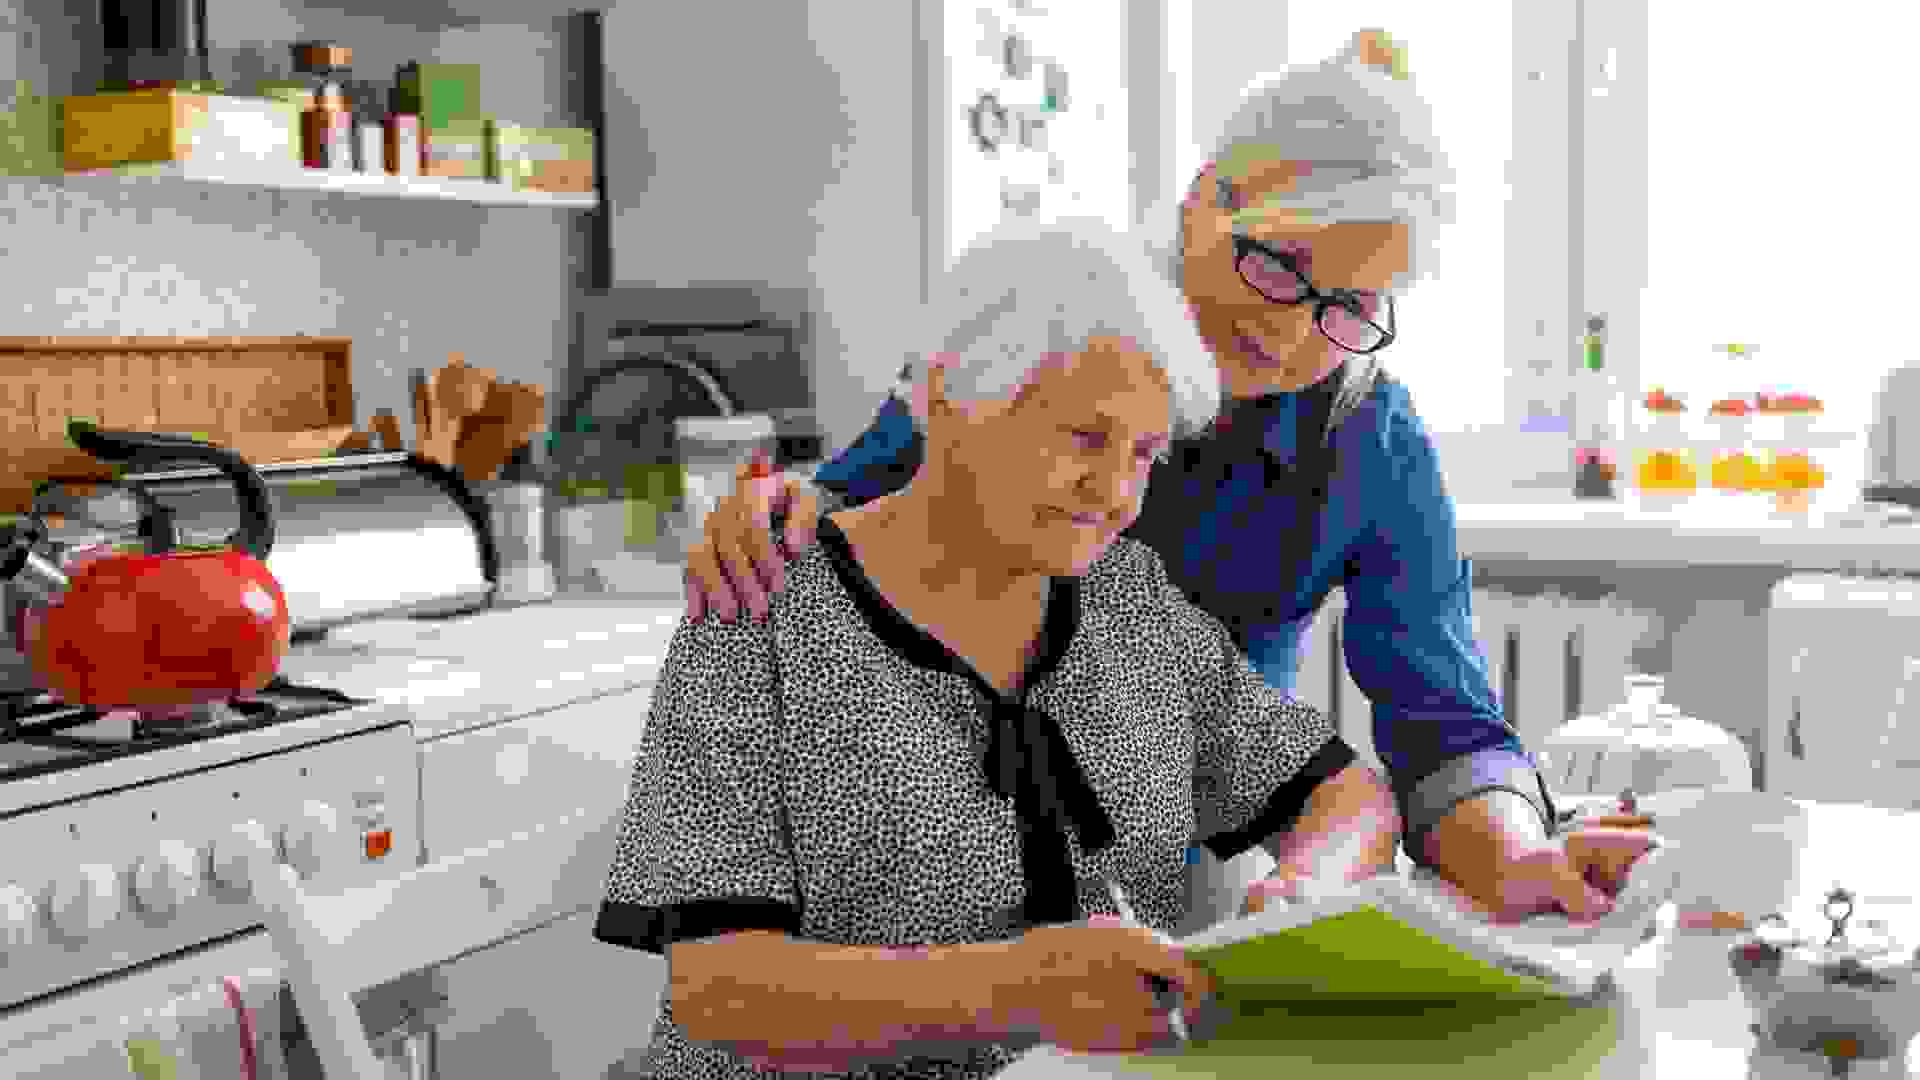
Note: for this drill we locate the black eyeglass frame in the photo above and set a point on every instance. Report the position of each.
(1324, 300)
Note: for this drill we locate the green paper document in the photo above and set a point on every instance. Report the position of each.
(1391, 973)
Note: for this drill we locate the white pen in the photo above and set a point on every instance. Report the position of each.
(1163, 989)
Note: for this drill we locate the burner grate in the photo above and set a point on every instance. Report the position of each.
(40, 734)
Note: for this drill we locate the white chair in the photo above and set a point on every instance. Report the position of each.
(334, 945)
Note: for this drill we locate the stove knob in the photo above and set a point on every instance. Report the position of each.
(87, 902)
(312, 844)
(228, 861)
(164, 881)
(231, 857)
(19, 918)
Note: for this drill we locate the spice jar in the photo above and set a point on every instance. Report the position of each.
(327, 131)
(404, 145)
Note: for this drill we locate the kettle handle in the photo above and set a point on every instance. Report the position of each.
(256, 533)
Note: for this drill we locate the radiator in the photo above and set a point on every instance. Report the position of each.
(1549, 658)
(1843, 712)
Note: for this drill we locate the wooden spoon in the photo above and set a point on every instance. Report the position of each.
(458, 391)
(387, 426)
(422, 412)
(491, 441)
(474, 386)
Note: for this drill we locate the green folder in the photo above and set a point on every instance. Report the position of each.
(1387, 977)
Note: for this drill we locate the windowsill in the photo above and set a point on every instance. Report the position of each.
(1711, 529)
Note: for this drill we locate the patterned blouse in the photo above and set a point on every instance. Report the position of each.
(836, 773)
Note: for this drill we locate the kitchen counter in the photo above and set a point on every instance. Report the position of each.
(1679, 1015)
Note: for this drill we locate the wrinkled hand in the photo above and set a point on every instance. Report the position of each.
(1349, 833)
(1289, 882)
(1083, 986)
(736, 566)
(1578, 875)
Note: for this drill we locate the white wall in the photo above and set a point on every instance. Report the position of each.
(750, 142)
(1233, 42)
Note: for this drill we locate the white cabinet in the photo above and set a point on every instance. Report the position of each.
(481, 785)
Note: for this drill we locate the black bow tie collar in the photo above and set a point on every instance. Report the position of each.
(1028, 759)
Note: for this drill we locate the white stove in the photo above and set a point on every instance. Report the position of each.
(468, 729)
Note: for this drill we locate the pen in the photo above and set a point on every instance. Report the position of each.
(1162, 988)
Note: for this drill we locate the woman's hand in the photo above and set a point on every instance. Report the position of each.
(1349, 831)
(1289, 882)
(736, 567)
(1578, 875)
(1083, 987)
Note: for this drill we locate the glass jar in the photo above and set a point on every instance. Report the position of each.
(711, 451)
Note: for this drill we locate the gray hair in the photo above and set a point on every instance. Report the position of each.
(1371, 136)
(1031, 288)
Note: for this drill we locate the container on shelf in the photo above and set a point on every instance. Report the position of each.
(543, 159)
(153, 127)
(444, 96)
(29, 131)
(328, 132)
(458, 152)
(405, 149)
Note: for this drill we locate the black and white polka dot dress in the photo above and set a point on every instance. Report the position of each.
(831, 773)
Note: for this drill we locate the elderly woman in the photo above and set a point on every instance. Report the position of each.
(874, 828)
(1320, 205)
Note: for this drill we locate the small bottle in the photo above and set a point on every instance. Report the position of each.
(327, 130)
(404, 145)
(1594, 468)
(369, 130)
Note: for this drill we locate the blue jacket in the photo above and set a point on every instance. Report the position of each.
(1219, 513)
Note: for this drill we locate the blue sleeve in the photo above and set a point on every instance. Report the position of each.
(880, 461)
(1437, 724)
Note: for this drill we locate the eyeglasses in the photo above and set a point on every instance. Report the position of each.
(1343, 316)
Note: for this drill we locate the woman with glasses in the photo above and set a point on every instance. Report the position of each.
(1320, 204)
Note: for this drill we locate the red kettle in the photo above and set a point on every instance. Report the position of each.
(160, 626)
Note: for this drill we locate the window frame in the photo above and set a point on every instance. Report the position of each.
(1577, 209)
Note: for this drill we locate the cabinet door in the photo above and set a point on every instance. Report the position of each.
(552, 1003)
(479, 786)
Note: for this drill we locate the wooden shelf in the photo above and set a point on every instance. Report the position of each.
(293, 178)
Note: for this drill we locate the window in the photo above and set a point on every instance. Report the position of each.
(1780, 197)
(1451, 352)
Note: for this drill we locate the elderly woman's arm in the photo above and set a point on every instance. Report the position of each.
(703, 873)
(800, 1005)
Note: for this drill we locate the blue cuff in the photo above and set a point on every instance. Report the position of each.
(1464, 777)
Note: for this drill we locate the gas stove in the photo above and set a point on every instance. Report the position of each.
(40, 734)
(117, 826)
